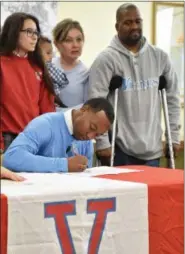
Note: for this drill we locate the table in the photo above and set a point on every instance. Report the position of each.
(135, 210)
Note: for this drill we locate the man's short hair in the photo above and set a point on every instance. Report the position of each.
(123, 8)
(99, 104)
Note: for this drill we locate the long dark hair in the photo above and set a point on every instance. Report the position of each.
(9, 38)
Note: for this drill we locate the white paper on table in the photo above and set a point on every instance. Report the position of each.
(104, 170)
(45, 178)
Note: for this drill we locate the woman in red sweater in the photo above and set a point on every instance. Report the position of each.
(26, 88)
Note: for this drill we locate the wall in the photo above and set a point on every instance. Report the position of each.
(44, 11)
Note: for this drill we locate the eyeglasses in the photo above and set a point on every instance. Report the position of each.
(30, 33)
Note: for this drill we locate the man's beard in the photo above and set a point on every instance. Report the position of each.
(130, 41)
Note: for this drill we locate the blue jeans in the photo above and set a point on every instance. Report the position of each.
(122, 159)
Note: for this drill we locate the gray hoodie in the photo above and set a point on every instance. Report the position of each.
(139, 130)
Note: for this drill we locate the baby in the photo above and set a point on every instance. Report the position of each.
(58, 78)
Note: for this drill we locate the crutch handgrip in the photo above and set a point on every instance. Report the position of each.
(162, 83)
(116, 82)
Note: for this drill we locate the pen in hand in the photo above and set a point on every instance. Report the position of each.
(74, 150)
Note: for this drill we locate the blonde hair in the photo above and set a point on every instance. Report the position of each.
(61, 30)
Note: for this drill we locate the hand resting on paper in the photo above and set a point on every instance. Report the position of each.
(7, 174)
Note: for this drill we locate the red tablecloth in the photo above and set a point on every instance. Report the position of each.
(165, 206)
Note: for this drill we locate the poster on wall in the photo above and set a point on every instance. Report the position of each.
(46, 12)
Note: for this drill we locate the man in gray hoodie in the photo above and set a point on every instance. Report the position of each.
(139, 133)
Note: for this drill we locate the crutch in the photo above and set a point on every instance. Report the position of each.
(162, 87)
(115, 84)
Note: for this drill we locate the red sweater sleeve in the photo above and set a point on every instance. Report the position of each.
(1, 142)
(46, 100)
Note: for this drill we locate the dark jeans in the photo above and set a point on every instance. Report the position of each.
(8, 139)
(121, 159)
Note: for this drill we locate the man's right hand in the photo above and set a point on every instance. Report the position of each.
(104, 152)
(104, 156)
(77, 163)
